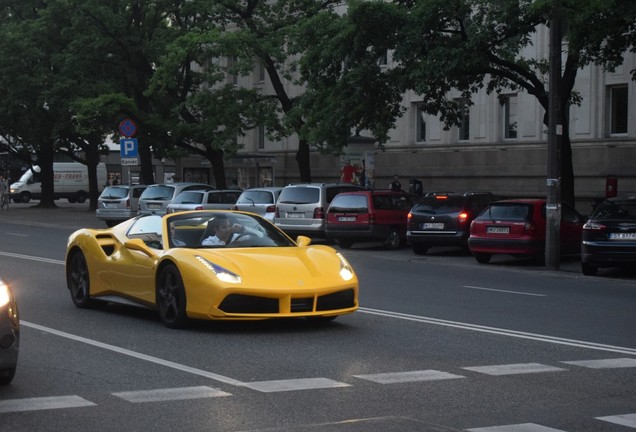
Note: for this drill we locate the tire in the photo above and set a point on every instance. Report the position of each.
(419, 249)
(588, 269)
(81, 197)
(111, 223)
(6, 375)
(345, 244)
(171, 298)
(25, 197)
(482, 258)
(78, 281)
(393, 240)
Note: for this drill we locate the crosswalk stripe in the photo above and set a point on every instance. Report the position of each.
(521, 427)
(43, 403)
(294, 384)
(167, 394)
(411, 376)
(513, 369)
(628, 420)
(605, 363)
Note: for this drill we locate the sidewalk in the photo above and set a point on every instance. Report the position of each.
(66, 215)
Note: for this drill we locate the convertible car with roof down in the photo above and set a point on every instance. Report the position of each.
(166, 263)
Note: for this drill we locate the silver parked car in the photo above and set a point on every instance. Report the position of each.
(9, 334)
(119, 203)
(261, 201)
(223, 199)
(155, 199)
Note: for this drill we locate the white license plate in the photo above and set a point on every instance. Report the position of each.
(622, 236)
(154, 206)
(347, 218)
(431, 225)
(110, 205)
(498, 230)
(295, 215)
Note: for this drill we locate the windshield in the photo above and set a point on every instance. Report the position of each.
(162, 192)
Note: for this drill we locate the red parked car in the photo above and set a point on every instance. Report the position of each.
(517, 227)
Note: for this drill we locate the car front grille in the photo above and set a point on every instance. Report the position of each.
(249, 304)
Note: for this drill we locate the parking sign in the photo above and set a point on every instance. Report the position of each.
(129, 151)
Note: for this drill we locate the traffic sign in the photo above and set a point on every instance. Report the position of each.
(129, 148)
(128, 128)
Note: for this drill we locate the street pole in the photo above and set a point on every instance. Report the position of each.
(555, 134)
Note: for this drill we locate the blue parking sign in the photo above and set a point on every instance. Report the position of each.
(129, 147)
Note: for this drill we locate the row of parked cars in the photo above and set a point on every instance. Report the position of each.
(346, 214)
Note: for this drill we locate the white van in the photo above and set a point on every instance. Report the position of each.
(70, 182)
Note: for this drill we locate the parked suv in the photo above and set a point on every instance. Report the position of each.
(204, 200)
(301, 208)
(155, 199)
(443, 219)
(118, 203)
(369, 215)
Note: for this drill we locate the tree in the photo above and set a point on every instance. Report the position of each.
(444, 47)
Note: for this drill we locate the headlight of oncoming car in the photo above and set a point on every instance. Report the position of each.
(222, 273)
(346, 271)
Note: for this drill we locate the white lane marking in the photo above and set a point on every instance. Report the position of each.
(294, 384)
(504, 291)
(170, 394)
(32, 258)
(514, 369)
(17, 234)
(521, 427)
(134, 354)
(43, 403)
(628, 420)
(604, 363)
(410, 376)
(500, 331)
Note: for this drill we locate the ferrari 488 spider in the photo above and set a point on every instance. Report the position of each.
(177, 265)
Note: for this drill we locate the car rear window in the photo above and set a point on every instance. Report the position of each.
(440, 204)
(114, 192)
(299, 195)
(349, 204)
(615, 210)
(189, 198)
(158, 193)
(250, 197)
(511, 212)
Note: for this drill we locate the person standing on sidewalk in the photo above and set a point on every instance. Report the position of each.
(4, 193)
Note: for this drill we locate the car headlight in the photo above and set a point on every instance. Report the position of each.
(5, 295)
(346, 271)
(222, 273)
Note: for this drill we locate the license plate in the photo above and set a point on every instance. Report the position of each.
(498, 230)
(431, 225)
(295, 215)
(347, 218)
(154, 206)
(622, 236)
(110, 205)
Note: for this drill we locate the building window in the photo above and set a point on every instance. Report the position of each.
(509, 115)
(618, 110)
(420, 125)
(260, 69)
(261, 137)
(464, 124)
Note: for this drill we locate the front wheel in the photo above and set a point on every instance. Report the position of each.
(171, 298)
(78, 281)
(393, 240)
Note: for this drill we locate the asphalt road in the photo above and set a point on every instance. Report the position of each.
(440, 344)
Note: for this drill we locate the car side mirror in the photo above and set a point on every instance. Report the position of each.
(303, 241)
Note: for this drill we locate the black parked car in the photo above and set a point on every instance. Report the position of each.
(609, 236)
(9, 333)
(443, 219)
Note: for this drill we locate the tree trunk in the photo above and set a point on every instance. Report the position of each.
(218, 168)
(302, 158)
(92, 160)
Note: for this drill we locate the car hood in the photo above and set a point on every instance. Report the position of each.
(280, 266)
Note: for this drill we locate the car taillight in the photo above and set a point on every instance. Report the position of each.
(198, 208)
(594, 226)
(319, 213)
(270, 209)
(234, 207)
(463, 217)
(128, 204)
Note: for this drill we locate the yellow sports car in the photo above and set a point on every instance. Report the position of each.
(209, 265)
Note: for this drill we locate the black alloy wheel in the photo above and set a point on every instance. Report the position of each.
(171, 298)
(393, 240)
(78, 281)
